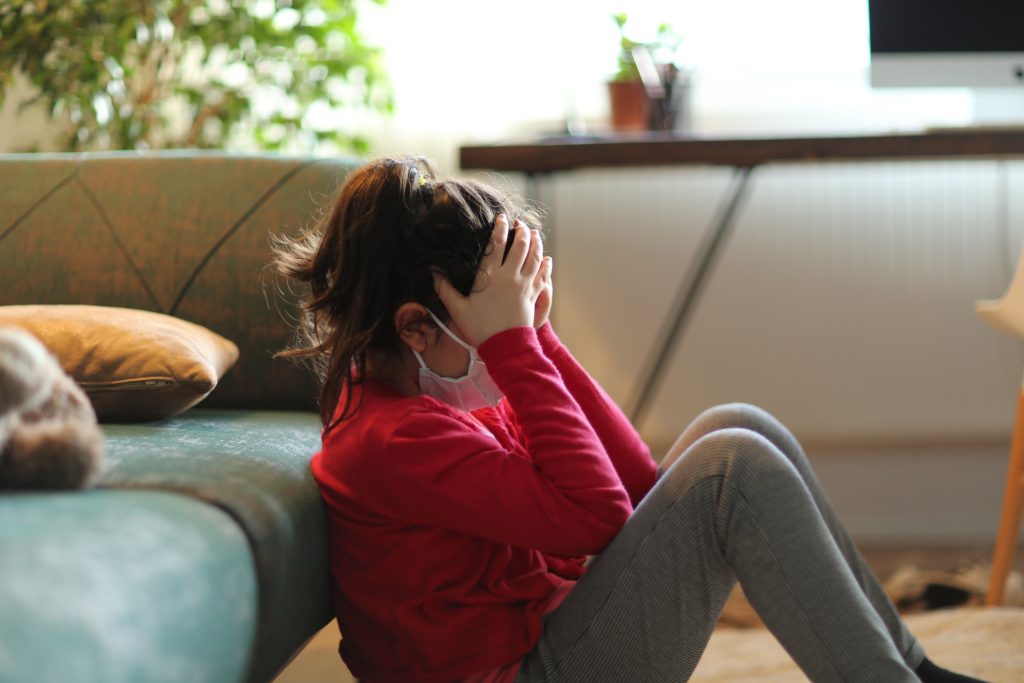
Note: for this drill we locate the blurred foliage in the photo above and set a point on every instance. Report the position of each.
(137, 74)
(663, 48)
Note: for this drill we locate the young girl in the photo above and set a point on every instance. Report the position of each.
(470, 465)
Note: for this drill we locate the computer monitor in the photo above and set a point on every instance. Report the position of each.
(949, 43)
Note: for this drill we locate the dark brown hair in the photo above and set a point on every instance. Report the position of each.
(389, 228)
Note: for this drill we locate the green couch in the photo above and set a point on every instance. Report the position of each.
(201, 553)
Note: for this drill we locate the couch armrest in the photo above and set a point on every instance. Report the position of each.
(106, 586)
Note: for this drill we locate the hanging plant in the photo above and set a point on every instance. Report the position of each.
(138, 74)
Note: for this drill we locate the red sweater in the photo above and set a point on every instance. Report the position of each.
(449, 533)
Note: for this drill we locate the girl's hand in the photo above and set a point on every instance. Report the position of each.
(542, 309)
(504, 295)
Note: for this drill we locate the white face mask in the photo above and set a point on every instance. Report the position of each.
(473, 390)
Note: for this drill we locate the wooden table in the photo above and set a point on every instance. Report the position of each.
(565, 153)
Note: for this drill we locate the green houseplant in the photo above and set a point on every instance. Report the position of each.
(637, 105)
(131, 74)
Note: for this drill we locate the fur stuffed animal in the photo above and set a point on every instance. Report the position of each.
(49, 438)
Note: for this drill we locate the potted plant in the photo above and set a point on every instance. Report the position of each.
(125, 74)
(643, 92)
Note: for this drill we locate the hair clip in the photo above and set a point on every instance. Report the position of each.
(423, 180)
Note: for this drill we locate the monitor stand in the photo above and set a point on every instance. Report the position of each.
(994, 110)
(998, 108)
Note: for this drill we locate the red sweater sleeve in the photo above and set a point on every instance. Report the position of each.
(628, 452)
(562, 496)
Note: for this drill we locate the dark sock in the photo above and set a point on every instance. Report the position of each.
(929, 673)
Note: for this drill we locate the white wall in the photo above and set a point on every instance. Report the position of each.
(842, 302)
(25, 130)
(470, 71)
(466, 71)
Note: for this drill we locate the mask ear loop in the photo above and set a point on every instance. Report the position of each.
(419, 358)
(451, 334)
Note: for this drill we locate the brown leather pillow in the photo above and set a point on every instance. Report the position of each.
(134, 365)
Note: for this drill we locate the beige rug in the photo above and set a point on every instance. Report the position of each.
(983, 642)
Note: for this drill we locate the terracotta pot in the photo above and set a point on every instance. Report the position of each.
(631, 108)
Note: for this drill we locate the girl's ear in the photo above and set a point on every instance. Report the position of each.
(412, 323)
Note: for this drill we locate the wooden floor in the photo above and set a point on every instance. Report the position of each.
(319, 661)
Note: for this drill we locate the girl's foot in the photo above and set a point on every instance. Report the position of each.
(928, 672)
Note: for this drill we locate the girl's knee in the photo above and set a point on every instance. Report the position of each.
(732, 459)
(727, 450)
(721, 417)
(738, 414)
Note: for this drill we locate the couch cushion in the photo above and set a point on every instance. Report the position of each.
(255, 466)
(134, 365)
(99, 586)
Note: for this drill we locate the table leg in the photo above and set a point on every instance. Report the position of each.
(689, 293)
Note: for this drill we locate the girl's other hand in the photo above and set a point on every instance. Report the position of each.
(504, 294)
(542, 309)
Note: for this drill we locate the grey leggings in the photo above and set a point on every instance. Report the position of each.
(737, 500)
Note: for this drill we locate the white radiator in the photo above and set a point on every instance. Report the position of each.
(842, 300)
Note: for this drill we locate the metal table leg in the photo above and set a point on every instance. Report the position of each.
(689, 293)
